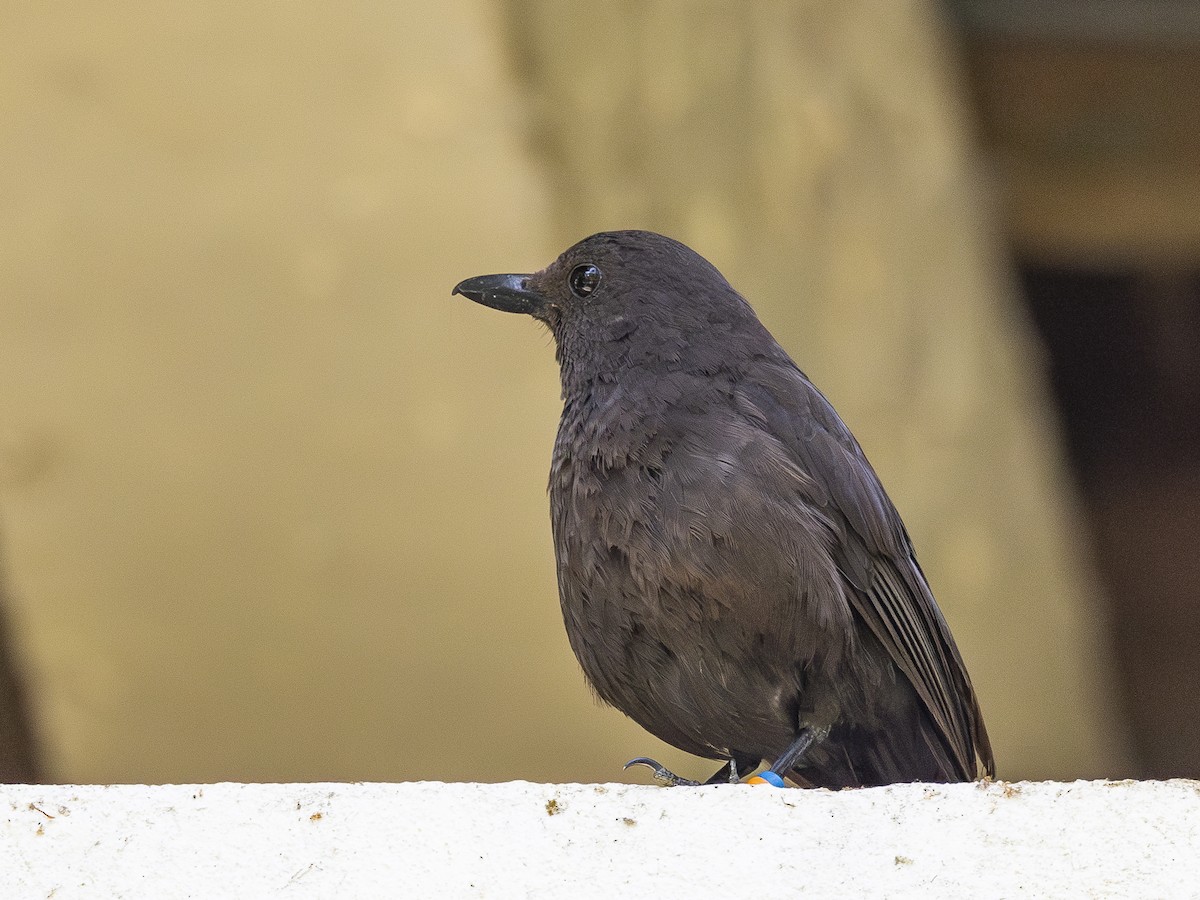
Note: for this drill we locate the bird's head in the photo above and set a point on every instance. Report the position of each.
(623, 298)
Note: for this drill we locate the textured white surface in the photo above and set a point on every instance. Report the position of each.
(1087, 839)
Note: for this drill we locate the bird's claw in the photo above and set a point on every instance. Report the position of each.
(661, 773)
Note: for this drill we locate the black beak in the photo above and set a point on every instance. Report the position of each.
(510, 293)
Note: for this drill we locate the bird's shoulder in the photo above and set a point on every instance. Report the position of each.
(789, 410)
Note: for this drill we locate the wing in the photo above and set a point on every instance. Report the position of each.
(889, 591)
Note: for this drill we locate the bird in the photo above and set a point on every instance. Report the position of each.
(731, 572)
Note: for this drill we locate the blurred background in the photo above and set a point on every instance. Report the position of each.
(273, 504)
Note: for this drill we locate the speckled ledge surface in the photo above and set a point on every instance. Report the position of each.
(1084, 839)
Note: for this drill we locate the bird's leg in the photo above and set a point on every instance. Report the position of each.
(727, 774)
(786, 761)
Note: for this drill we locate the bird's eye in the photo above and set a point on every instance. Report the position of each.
(584, 279)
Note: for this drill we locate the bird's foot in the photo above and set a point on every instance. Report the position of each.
(727, 774)
(661, 773)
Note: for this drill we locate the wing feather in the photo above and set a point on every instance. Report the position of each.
(888, 589)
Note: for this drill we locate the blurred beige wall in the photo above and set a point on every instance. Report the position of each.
(275, 503)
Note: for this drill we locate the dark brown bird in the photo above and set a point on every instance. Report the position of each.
(732, 574)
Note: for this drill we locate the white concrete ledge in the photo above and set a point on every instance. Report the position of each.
(1093, 839)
